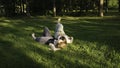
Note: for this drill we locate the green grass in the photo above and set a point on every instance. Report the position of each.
(96, 43)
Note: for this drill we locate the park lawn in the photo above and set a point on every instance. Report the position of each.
(96, 43)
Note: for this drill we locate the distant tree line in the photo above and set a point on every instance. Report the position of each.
(54, 7)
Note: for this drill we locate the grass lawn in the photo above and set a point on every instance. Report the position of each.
(96, 43)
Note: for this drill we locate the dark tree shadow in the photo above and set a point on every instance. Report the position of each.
(11, 57)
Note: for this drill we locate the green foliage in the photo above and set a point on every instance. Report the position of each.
(113, 3)
(96, 43)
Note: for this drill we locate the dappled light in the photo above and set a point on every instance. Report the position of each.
(90, 37)
(96, 43)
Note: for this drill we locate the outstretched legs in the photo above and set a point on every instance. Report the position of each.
(46, 32)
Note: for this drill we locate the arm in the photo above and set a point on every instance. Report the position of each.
(52, 47)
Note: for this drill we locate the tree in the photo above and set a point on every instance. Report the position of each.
(27, 8)
(119, 5)
(106, 6)
(9, 6)
(101, 8)
(54, 8)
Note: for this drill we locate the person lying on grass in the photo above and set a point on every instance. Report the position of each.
(59, 40)
(48, 39)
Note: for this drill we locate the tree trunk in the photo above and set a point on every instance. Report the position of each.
(23, 7)
(70, 5)
(20, 6)
(54, 8)
(9, 8)
(119, 5)
(86, 6)
(101, 8)
(27, 9)
(106, 6)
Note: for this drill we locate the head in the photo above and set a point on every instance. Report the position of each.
(61, 42)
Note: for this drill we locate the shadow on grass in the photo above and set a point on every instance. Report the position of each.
(102, 30)
(11, 57)
(56, 59)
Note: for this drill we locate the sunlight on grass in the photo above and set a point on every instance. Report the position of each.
(39, 58)
(29, 28)
(96, 43)
(6, 25)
